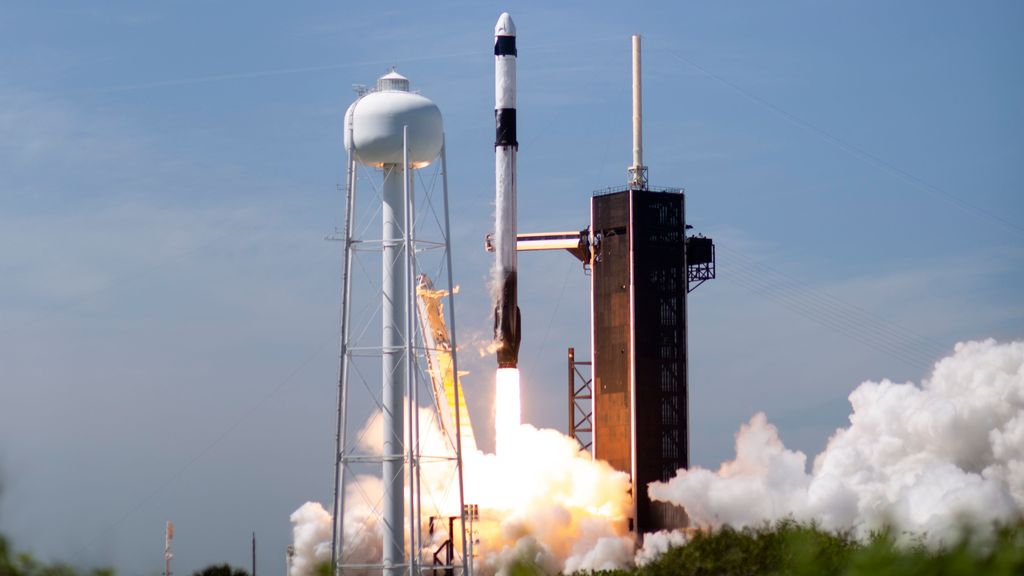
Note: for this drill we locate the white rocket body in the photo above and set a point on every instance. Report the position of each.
(506, 311)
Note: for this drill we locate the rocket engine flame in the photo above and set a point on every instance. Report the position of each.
(507, 409)
(543, 503)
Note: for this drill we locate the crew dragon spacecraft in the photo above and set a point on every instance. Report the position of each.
(507, 320)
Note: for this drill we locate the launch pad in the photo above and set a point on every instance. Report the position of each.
(642, 265)
(633, 409)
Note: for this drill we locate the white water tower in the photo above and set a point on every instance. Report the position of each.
(391, 132)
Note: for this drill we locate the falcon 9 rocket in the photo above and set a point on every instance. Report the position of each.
(506, 311)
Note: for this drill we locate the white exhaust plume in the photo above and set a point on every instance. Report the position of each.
(311, 537)
(546, 504)
(658, 543)
(927, 460)
(543, 504)
(311, 528)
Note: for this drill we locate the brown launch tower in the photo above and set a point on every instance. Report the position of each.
(641, 277)
(643, 266)
(639, 342)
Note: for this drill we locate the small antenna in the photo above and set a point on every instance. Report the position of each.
(168, 536)
(637, 172)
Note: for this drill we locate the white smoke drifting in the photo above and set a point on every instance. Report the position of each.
(543, 503)
(312, 528)
(925, 459)
(311, 537)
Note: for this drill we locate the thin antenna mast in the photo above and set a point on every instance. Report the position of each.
(637, 172)
(168, 536)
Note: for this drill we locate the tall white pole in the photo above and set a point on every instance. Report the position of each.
(168, 536)
(637, 172)
(394, 314)
(412, 397)
(638, 110)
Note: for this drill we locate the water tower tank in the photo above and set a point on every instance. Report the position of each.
(374, 123)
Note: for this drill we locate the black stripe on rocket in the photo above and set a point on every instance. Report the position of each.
(505, 123)
(505, 46)
(505, 118)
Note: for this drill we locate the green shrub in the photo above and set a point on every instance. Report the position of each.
(24, 564)
(788, 548)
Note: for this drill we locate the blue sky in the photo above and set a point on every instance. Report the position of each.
(168, 308)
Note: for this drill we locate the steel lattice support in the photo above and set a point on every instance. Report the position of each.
(411, 244)
(581, 402)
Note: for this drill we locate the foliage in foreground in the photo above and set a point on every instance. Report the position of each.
(221, 570)
(793, 549)
(23, 564)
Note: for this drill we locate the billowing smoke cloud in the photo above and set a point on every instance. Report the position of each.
(543, 504)
(657, 544)
(312, 528)
(925, 459)
(311, 537)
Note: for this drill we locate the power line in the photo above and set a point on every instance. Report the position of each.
(551, 319)
(173, 477)
(910, 359)
(831, 312)
(320, 68)
(856, 150)
(842, 309)
(126, 279)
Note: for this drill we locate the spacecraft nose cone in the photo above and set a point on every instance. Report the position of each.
(505, 26)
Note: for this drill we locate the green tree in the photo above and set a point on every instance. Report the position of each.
(789, 548)
(220, 570)
(24, 564)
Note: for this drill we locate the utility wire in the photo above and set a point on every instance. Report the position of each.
(853, 149)
(826, 317)
(538, 48)
(551, 318)
(909, 359)
(128, 278)
(173, 477)
(841, 310)
(833, 313)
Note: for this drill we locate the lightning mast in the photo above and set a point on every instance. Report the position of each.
(168, 536)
